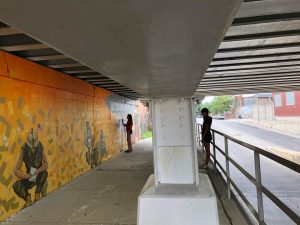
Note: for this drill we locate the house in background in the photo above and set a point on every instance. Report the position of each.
(287, 104)
(266, 106)
(278, 111)
(255, 106)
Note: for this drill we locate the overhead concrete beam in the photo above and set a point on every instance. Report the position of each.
(144, 45)
(22, 47)
(8, 31)
(48, 57)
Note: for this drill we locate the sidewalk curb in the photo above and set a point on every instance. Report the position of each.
(265, 128)
(285, 153)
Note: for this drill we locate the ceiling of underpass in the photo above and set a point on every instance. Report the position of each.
(259, 53)
(154, 48)
(20, 44)
(161, 48)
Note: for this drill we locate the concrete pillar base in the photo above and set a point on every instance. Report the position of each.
(178, 204)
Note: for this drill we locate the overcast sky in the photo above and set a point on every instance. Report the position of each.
(210, 98)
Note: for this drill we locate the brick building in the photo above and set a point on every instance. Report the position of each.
(287, 103)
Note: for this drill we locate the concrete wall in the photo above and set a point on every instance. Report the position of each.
(59, 108)
(285, 124)
(252, 107)
(263, 109)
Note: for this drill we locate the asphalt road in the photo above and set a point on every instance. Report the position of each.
(279, 139)
(283, 182)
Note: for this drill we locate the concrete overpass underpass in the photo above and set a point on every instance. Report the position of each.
(169, 53)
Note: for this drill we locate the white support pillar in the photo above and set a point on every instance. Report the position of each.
(176, 194)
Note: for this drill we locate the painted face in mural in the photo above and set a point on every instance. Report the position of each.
(32, 138)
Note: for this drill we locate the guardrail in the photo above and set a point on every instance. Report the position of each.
(260, 188)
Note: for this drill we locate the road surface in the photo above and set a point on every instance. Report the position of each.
(276, 138)
(284, 183)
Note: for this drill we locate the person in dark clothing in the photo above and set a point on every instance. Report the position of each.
(128, 126)
(206, 135)
(32, 154)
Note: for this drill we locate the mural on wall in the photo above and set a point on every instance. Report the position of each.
(35, 160)
(89, 141)
(60, 139)
(95, 153)
(100, 149)
(120, 107)
(49, 136)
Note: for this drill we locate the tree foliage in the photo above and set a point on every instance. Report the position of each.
(219, 104)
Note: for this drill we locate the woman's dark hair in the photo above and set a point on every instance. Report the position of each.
(204, 110)
(129, 117)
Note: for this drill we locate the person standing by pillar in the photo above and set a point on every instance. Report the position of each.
(128, 126)
(206, 135)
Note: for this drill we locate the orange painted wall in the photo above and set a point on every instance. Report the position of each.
(31, 96)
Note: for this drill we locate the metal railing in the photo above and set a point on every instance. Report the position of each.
(260, 188)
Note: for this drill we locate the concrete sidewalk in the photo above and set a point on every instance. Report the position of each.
(107, 195)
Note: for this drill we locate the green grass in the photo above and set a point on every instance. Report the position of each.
(147, 134)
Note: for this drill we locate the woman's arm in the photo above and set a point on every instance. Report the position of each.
(44, 164)
(18, 172)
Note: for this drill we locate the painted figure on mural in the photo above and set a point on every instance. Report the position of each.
(89, 141)
(33, 155)
(100, 149)
(121, 141)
